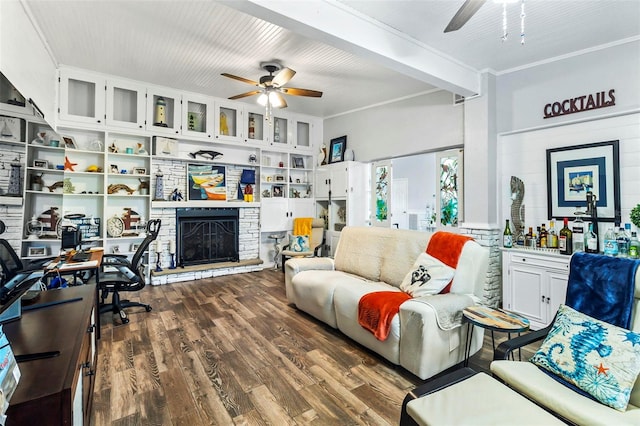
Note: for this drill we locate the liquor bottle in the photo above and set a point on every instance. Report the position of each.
(552, 237)
(529, 238)
(544, 237)
(507, 236)
(610, 244)
(622, 238)
(537, 236)
(634, 246)
(578, 234)
(591, 241)
(565, 240)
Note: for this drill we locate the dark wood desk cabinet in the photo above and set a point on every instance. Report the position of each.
(55, 391)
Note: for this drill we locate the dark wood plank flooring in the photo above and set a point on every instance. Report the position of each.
(231, 351)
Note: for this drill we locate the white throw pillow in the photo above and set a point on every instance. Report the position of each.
(427, 276)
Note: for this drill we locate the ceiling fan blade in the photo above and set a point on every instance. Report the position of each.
(466, 11)
(301, 92)
(244, 80)
(283, 76)
(244, 95)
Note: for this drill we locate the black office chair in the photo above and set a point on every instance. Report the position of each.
(128, 276)
(11, 263)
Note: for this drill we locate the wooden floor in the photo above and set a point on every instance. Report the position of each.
(230, 350)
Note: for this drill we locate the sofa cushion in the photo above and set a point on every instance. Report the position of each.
(346, 298)
(529, 380)
(299, 243)
(599, 358)
(361, 250)
(401, 253)
(313, 292)
(428, 276)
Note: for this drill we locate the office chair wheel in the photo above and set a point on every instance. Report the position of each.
(147, 308)
(123, 317)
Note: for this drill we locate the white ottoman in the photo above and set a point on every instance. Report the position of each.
(477, 399)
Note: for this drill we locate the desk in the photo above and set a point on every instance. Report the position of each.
(55, 391)
(494, 320)
(70, 266)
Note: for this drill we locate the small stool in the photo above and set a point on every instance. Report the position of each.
(465, 397)
(277, 249)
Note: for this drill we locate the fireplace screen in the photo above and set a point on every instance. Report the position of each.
(206, 235)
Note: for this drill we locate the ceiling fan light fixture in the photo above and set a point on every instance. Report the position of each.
(263, 99)
(275, 99)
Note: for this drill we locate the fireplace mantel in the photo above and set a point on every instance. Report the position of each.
(203, 203)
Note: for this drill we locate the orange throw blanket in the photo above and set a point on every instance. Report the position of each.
(446, 247)
(377, 309)
(302, 226)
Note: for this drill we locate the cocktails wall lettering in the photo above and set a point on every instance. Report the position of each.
(580, 104)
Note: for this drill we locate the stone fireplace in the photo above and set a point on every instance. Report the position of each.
(206, 235)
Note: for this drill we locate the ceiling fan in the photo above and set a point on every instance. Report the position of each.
(466, 11)
(271, 86)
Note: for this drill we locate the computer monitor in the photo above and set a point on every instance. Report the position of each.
(71, 237)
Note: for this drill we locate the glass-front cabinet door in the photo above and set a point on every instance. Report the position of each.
(198, 116)
(163, 111)
(82, 97)
(229, 125)
(125, 104)
(279, 131)
(304, 134)
(256, 125)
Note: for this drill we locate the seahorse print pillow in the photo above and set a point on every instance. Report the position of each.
(599, 358)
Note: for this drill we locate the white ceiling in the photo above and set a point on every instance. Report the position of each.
(187, 44)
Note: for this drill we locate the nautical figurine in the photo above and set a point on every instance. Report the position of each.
(159, 194)
(517, 207)
(160, 116)
(210, 155)
(15, 183)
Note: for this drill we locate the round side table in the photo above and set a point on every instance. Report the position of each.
(276, 249)
(491, 319)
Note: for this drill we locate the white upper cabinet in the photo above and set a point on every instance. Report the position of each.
(198, 117)
(82, 98)
(164, 111)
(125, 104)
(305, 133)
(230, 116)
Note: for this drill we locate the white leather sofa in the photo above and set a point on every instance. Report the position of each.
(369, 259)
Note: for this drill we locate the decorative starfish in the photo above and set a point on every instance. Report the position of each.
(68, 165)
(602, 369)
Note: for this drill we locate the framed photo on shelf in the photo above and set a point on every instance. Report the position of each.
(277, 191)
(41, 164)
(114, 169)
(298, 162)
(13, 128)
(139, 171)
(573, 171)
(69, 142)
(336, 149)
(39, 251)
(134, 247)
(278, 178)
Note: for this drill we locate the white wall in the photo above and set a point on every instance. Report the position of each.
(522, 95)
(524, 155)
(420, 171)
(525, 135)
(424, 123)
